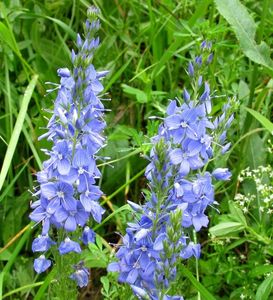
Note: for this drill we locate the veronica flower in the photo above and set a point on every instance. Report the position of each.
(41, 264)
(69, 246)
(81, 276)
(221, 174)
(181, 192)
(88, 235)
(67, 193)
(42, 243)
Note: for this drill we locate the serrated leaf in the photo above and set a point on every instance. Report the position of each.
(244, 27)
(105, 282)
(226, 228)
(92, 247)
(265, 288)
(99, 242)
(260, 118)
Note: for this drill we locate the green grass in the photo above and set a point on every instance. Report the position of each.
(146, 46)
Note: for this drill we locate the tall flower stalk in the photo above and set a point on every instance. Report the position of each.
(67, 193)
(181, 189)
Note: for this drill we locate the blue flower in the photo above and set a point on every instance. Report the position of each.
(68, 193)
(43, 213)
(41, 264)
(70, 219)
(187, 160)
(181, 190)
(88, 235)
(69, 246)
(81, 276)
(221, 174)
(62, 157)
(59, 194)
(42, 243)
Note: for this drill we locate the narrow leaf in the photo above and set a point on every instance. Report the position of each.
(6, 37)
(263, 120)
(141, 96)
(41, 292)
(261, 270)
(201, 289)
(265, 288)
(122, 208)
(17, 130)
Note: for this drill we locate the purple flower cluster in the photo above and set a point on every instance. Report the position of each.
(181, 189)
(68, 194)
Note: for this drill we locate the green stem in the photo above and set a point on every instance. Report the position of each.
(196, 265)
(121, 158)
(123, 186)
(22, 288)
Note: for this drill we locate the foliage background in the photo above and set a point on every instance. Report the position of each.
(146, 46)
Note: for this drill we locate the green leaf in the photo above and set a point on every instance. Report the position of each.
(245, 28)
(114, 77)
(235, 244)
(13, 256)
(201, 289)
(99, 242)
(226, 228)
(265, 288)
(42, 290)
(95, 257)
(236, 213)
(141, 96)
(256, 154)
(64, 26)
(5, 255)
(17, 130)
(260, 118)
(261, 270)
(22, 288)
(6, 37)
(106, 284)
(120, 209)
(11, 185)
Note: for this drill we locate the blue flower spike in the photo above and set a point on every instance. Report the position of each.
(67, 193)
(181, 190)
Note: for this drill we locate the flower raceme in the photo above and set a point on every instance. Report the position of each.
(181, 189)
(68, 194)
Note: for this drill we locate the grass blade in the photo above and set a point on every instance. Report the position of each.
(202, 290)
(11, 185)
(22, 288)
(17, 130)
(122, 208)
(42, 289)
(263, 120)
(15, 253)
